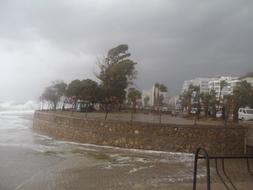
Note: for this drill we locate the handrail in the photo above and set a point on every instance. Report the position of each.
(225, 173)
(196, 167)
(216, 158)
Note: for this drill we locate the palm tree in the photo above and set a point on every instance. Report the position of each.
(205, 99)
(213, 102)
(160, 88)
(133, 96)
(223, 83)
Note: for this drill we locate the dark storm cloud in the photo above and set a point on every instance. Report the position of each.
(171, 40)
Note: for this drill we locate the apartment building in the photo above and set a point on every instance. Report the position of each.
(203, 84)
(208, 84)
(153, 95)
(223, 90)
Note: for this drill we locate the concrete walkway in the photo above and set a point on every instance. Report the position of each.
(141, 117)
(103, 172)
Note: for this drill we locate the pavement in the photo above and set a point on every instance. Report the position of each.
(142, 117)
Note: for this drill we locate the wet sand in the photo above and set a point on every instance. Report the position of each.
(72, 166)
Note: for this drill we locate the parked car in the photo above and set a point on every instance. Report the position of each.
(245, 114)
(174, 113)
(219, 114)
(84, 106)
(194, 110)
(165, 109)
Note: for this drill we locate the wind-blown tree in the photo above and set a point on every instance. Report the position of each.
(74, 91)
(89, 90)
(54, 92)
(159, 98)
(83, 90)
(242, 96)
(133, 96)
(117, 71)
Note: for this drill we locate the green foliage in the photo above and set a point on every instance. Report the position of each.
(116, 73)
(83, 90)
(208, 100)
(158, 97)
(54, 92)
(213, 102)
(223, 84)
(89, 90)
(242, 96)
(161, 87)
(134, 94)
(74, 89)
(118, 53)
(192, 95)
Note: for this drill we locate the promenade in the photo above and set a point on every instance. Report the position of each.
(141, 117)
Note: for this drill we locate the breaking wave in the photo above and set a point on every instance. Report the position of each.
(12, 106)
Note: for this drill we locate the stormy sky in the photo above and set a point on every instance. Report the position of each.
(45, 40)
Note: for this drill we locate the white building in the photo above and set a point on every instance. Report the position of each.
(215, 84)
(248, 78)
(203, 84)
(175, 103)
(208, 84)
(153, 94)
(147, 93)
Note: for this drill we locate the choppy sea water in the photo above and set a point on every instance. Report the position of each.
(26, 158)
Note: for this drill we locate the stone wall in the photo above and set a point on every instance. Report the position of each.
(165, 137)
(250, 135)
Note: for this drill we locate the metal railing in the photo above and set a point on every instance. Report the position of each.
(226, 180)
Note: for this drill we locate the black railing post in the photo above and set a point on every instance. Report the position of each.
(216, 158)
(208, 177)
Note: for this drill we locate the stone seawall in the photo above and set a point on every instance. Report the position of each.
(137, 135)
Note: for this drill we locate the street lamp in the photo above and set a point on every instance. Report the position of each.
(225, 111)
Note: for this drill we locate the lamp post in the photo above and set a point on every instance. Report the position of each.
(225, 112)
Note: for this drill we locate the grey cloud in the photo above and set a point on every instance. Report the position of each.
(171, 40)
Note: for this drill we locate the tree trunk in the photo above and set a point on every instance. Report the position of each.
(206, 110)
(189, 108)
(55, 106)
(132, 116)
(214, 111)
(106, 111)
(235, 114)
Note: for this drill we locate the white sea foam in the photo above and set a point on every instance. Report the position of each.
(166, 157)
(16, 107)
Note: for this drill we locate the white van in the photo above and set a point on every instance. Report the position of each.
(245, 114)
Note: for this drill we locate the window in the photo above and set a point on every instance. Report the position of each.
(250, 111)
